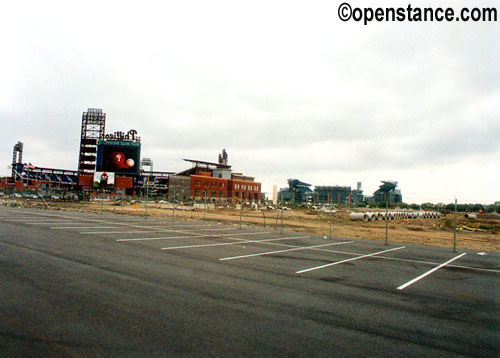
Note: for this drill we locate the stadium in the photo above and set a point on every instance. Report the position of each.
(110, 164)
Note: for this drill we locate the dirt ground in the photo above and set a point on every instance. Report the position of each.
(432, 232)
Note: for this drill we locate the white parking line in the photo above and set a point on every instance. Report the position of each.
(347, 260)
(402, 287)
(243, 241)
(196, 236)
(36, 220)
(46, 223)
(18, 214)
(82, 227)
(152, 230)
(287, 250)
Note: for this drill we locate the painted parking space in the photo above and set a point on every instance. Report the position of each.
(304, 254)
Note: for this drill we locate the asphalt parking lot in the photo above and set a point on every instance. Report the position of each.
(80, 284)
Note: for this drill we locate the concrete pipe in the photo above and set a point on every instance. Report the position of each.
(380, 215)
(391, 215)
(357, 216)
(470, 216)
(371, 216)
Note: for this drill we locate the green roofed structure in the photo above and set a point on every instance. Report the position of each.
(297, 191)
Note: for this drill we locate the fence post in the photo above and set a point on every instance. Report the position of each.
(331, 209)
(241, 211)
(205, 210)
(281, 226)
(455, 228)
(386, 219)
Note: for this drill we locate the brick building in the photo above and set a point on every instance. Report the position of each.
(216, 182)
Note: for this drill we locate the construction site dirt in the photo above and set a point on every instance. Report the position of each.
(480, 234)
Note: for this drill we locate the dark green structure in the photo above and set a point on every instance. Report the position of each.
(297, 192)
(389, 188)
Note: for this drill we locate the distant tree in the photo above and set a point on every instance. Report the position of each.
(427, 206)
(477, 207)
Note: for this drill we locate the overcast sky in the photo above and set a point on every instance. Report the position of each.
(288, 89)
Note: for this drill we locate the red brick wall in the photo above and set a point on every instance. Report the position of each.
(123, 182)
(245, 190)
(85, 181)
(217, 188)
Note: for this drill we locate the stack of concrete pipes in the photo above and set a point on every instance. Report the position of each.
(394, 215)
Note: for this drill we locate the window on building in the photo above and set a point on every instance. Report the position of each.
(222, 194)
(214, 193)
(197, 192)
